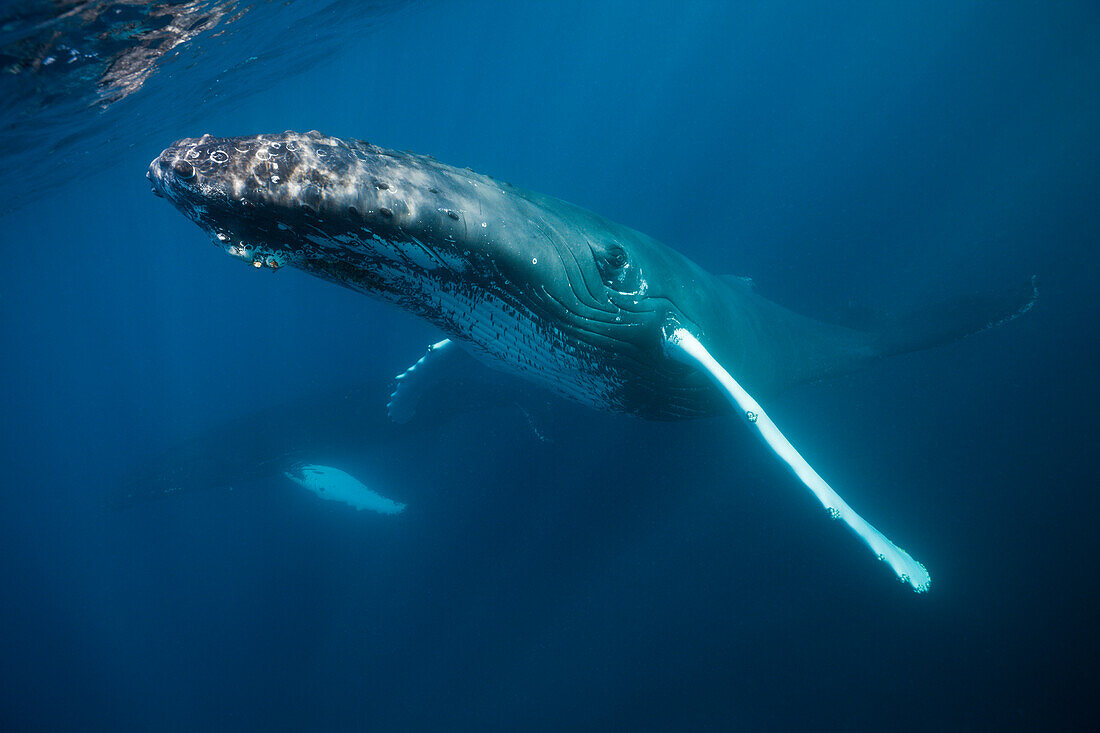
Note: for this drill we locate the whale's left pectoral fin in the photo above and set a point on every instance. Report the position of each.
(414, 382)
(681, 345)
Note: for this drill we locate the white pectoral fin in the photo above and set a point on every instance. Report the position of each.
(681, 345)
(413, 382)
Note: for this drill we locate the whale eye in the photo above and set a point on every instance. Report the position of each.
(611, 261)
(616, 269)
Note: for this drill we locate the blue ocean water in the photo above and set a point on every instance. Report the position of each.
(558, 568)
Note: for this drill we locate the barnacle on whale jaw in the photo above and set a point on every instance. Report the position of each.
(257, 255)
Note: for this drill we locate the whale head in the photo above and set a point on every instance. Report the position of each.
(293, 198)
(267, 199)
(546, 288)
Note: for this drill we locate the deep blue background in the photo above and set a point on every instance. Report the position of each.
(627, 575)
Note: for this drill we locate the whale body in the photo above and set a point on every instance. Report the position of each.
(529, 284)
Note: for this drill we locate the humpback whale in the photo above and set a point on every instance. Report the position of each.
(529, 284)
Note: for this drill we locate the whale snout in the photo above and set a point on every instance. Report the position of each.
(261, 197)
(297, 197)
(288, 170)
(194, 168)
(170, 173)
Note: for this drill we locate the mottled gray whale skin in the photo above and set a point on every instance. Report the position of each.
(525, 282)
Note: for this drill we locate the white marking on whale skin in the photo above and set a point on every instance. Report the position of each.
(333, 484)
(683, 346)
